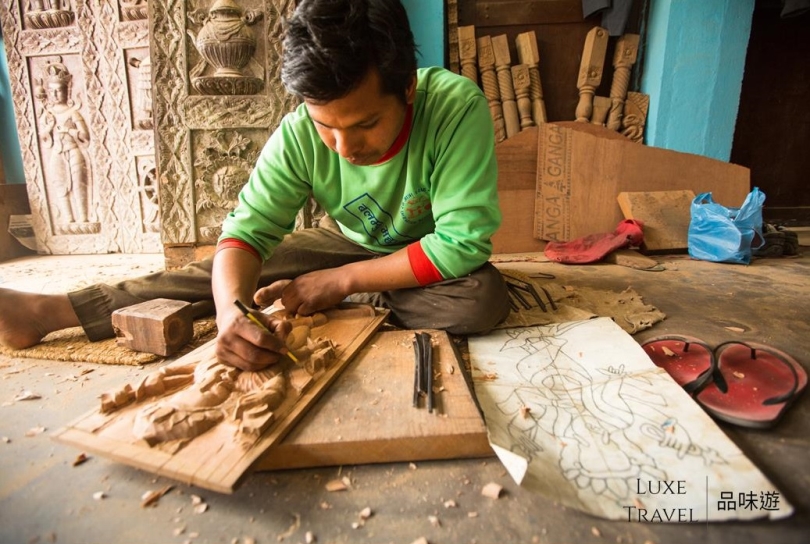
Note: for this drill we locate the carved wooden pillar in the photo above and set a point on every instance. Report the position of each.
(590, 71)
(623, 59)
(522, 82)
(83, 118)
(467, 52)
(217, 98)
(503, 64)
(528, 54)
(489, 82)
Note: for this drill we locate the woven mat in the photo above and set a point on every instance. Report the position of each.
(626, 308)
(72, 345)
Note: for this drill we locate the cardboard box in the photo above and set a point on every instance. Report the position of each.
(582, 168)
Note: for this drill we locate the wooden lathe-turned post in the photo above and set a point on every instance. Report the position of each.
(503, 63)
(522, 82)
(590, 71)
(467, 52)
(623, 59)
(528, 54)
(489, 82)
(601, 108)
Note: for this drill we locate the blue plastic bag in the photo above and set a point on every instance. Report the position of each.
(725, 235)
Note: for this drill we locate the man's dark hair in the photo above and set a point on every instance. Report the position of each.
(330, 46)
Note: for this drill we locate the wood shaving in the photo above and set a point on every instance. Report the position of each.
(6, 440)
(27, 395)
(492, 490)
(595, 532)
(98, 495)
(336, 485)
(668, 352)
(179, 531)
(524, 411)
(309, 538)
(734, 329)
(289, 532)
(420, 540)
(365, 513)
(196, 499)
(450, 504)
(33, 431)
(472, 514)
(412, 466)
(81, 458)
(738, 375)
(201, 508)
(434, 520)
(151, 498)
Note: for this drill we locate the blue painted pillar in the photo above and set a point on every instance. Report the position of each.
(693, 70)
(428, 26)
(9, 141)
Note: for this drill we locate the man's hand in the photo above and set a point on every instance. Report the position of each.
(308, 293)
(243, 344)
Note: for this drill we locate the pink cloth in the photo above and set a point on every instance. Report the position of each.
(595, 247)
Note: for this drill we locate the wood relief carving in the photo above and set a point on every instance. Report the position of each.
(227, 44)
(635, 115)
(142, 100)
(194, 114)
(224, 161)
(82, 120)
(205, 423)
(64, 139)
(148, 191)
(49, 14)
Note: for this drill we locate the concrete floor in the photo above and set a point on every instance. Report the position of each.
(44, 498)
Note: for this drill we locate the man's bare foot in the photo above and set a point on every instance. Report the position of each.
(26, 318)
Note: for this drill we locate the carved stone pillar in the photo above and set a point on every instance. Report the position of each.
(217, 96)
(79, 73)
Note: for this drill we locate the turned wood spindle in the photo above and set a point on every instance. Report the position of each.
(528, 54)
(467, 52)
(590, 71)
(489, 82)
(601, 107)
(522, 82)
(623, 59)
(503, 62)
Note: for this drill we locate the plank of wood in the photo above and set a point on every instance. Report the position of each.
(219, 458)
(665, 214)
(368, 416)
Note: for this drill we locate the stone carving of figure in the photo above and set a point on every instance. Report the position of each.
(64, 133)
(143, 103)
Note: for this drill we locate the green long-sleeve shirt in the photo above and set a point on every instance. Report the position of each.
(440, 189)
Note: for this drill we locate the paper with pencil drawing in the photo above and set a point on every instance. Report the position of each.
(579, 412)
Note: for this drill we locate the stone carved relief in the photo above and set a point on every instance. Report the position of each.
(141, 85)
(133, 10)
(226, 44)
(79, 156)
(64, 138)
(49, 14)
(185, 119)
(148, 190)
(223, 163)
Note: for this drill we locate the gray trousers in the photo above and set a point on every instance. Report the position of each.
(468, 305)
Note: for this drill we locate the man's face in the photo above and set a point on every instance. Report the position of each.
(362, 125)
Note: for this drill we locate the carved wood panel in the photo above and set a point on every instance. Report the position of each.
(217, 96)
(80, 83)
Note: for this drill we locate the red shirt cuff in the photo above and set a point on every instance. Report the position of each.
(239, 244)
(424, 270)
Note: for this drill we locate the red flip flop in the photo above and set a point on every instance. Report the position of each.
(753, 384)
(688, 360)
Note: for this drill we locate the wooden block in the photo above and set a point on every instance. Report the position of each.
(161, 326)
(665, 214)
(13, 201)
(367, 416)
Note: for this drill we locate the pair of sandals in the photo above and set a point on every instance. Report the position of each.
(744, 383)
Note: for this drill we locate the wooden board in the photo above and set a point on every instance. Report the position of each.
(367, 416)
(218, 458)
(665, 214)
